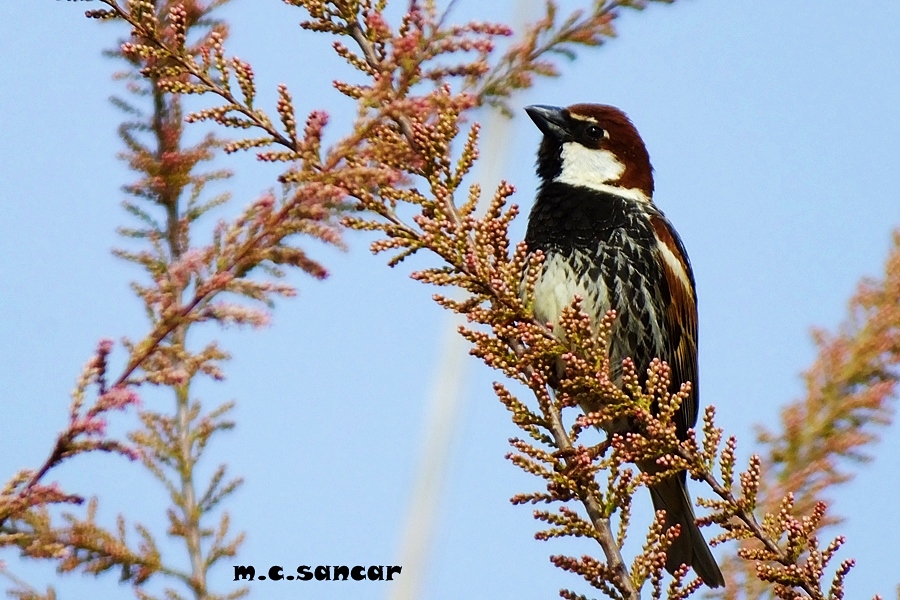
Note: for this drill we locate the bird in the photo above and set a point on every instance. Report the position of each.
(604, 240)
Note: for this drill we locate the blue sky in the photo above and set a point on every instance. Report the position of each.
(773, 128)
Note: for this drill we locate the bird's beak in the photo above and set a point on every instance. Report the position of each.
(550, 119)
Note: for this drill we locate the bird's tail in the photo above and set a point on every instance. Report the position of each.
(689, 547)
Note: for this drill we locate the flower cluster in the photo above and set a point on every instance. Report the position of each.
(231, 278)
(849, 392)
(24, 496)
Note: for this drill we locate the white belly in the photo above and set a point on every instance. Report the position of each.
(558, 285)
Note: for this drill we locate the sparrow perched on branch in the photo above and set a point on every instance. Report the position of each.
(604, 240)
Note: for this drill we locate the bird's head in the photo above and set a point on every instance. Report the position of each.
(593, 146)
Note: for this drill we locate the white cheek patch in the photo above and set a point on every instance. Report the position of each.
(595, 169)
(587, 167)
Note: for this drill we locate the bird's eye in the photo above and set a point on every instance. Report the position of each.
(595, 132)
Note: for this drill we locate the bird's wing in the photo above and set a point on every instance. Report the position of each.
(680, 318)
